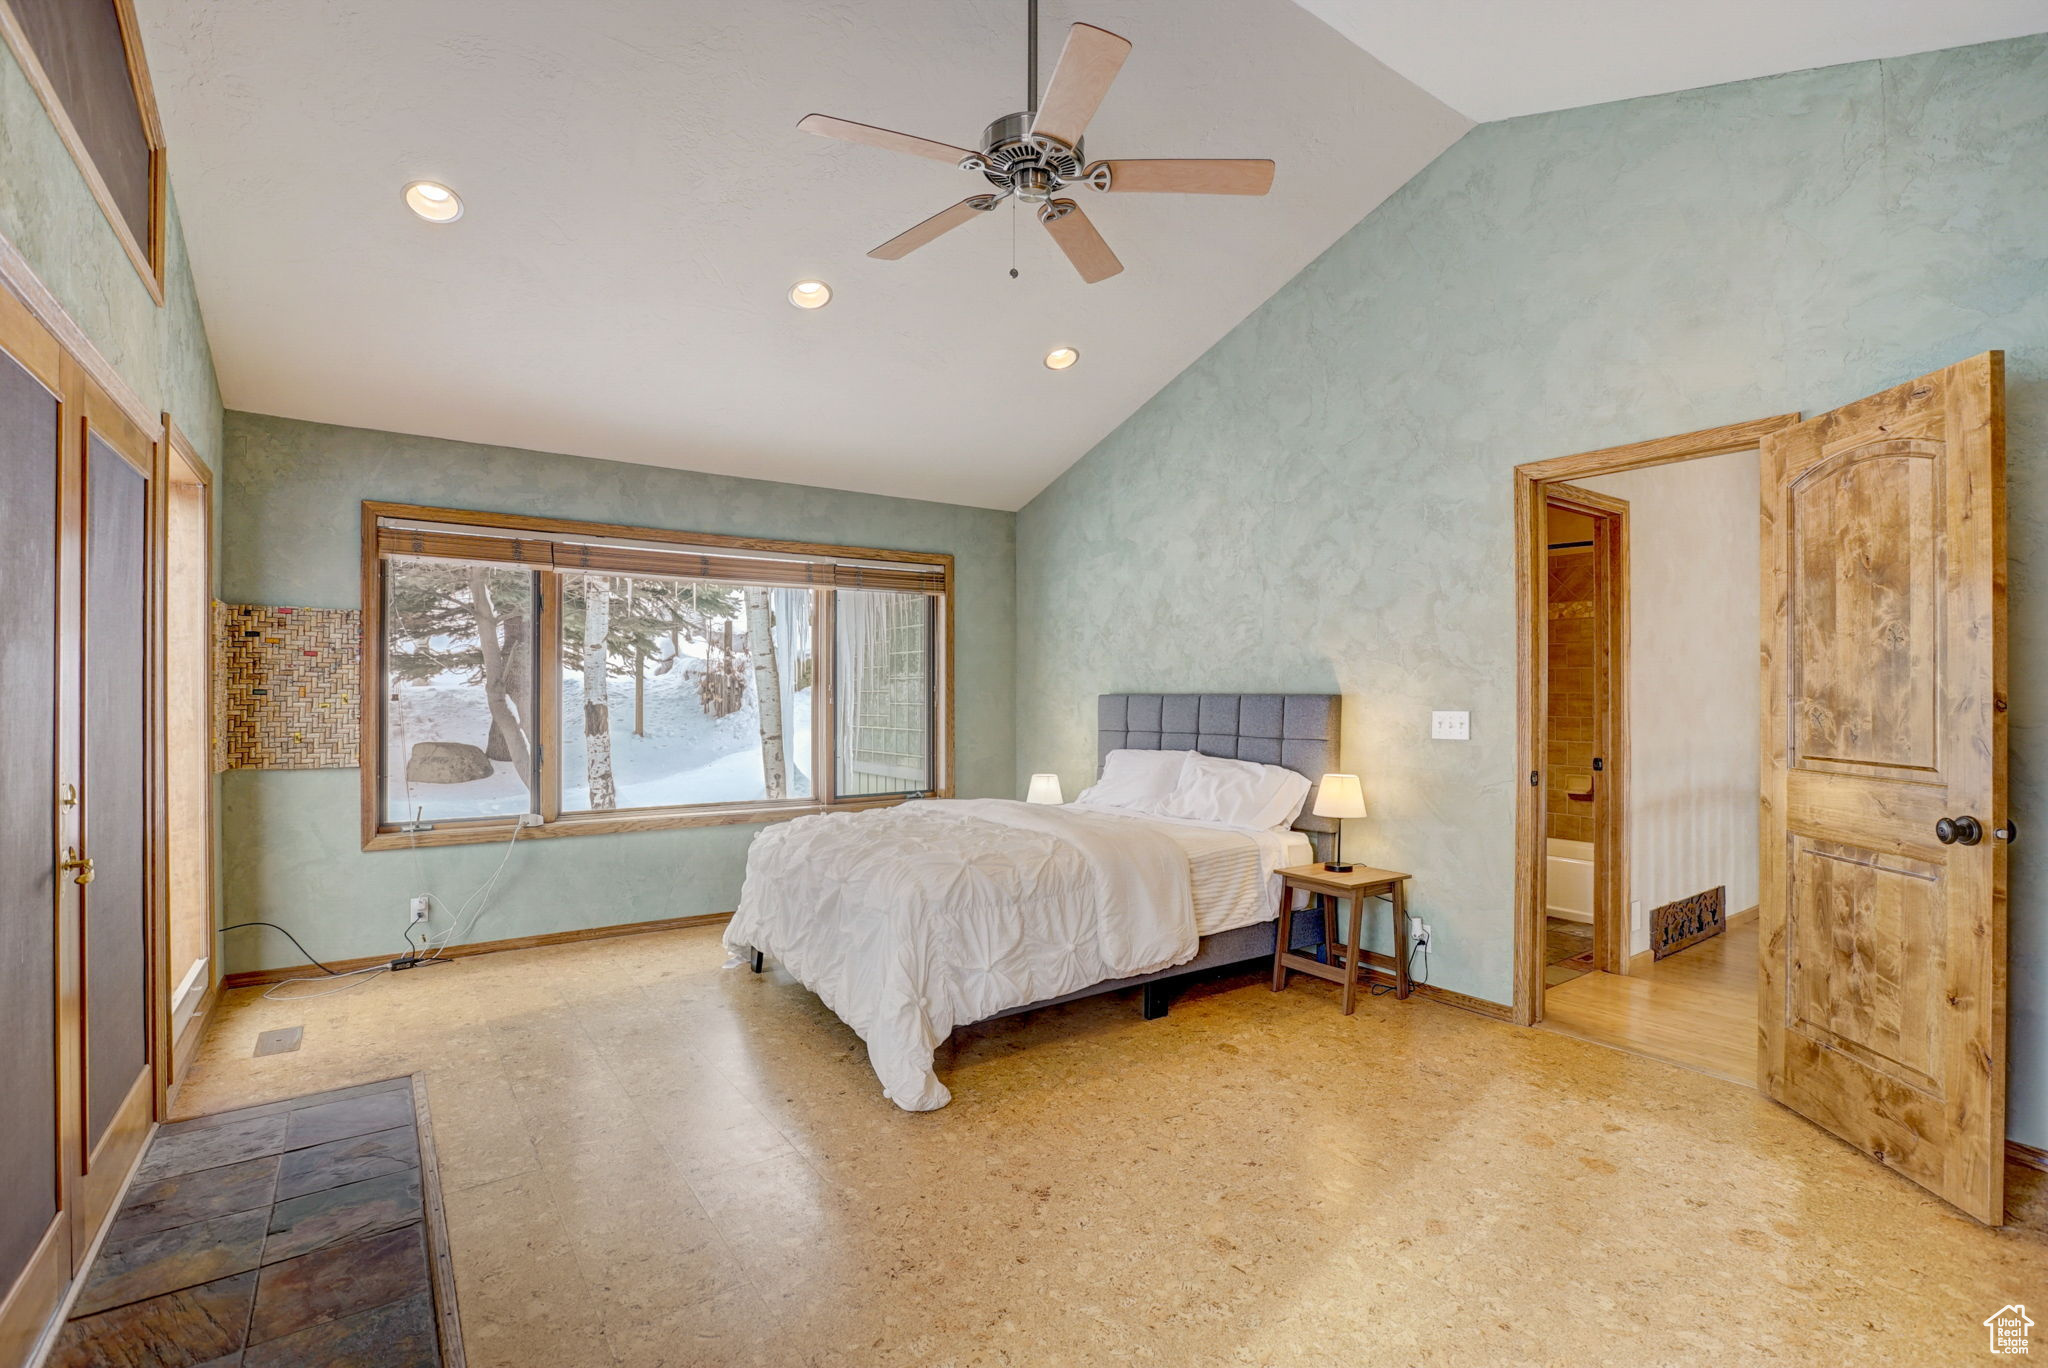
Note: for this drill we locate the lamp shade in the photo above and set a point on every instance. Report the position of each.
(1045, 788)
(1339, 795)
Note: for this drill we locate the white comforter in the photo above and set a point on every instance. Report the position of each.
(909, 921)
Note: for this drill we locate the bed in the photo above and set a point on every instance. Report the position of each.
(910, 921)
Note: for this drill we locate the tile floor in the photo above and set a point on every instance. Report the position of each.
(650, 1159)
(281, 1236)
(1567, 950)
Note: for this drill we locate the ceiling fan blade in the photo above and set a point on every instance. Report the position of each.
(1088, 63)
(1077, 237)
(904, 243)
(825, 126)
(1187, 176)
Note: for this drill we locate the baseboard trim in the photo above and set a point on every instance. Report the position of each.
(254, 977)
(2026, 1155)
(1380, 971)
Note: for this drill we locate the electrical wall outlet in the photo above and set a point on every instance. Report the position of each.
(1450, 726)
(422, 908)
(1418, 932)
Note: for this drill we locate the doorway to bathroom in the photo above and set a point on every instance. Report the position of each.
(1875, 972)
(1641, 708)
(1585, 611)
(1652, 713)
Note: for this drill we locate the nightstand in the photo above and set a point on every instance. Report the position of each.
(1353, 886)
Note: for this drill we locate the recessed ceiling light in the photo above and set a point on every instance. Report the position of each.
(433, 201)
(810, 294)
(1059, 358)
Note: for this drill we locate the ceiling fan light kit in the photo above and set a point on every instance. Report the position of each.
(1035, 154)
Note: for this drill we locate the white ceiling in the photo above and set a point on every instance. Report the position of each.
(1495, 59)
(639, 201)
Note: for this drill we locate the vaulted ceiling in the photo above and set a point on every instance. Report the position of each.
(639, 201)
(1495, 59)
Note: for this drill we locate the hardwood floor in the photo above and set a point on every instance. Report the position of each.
(1697, 1008)
(651, 1160)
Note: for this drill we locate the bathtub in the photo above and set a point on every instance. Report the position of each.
(1568, 882)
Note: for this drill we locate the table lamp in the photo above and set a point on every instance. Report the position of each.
(1045, 788)
(1338, 796)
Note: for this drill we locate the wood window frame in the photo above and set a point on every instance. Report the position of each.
(380, 834)
(146, 257)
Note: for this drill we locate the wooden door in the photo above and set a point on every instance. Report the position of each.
(1883, 917)
(115, 734)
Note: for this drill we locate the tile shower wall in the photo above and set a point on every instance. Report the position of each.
(292, 842)
(1321, 502)
(1574, 614)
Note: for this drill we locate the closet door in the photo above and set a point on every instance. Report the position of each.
(114, 876)
(35, 1237)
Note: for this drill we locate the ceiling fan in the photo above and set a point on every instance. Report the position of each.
(1035, 154)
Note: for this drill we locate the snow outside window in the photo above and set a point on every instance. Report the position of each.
(683, 692)
(460, 710)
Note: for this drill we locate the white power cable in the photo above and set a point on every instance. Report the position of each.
(372, 971)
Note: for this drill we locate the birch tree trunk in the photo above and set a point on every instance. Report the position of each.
(767, 689)
(597, 694)
(507, 739)
(639, 668)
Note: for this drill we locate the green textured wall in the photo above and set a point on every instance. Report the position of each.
(50, 216)
(1322, 500)
(290, 536)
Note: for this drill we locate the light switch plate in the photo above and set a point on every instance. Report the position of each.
(1450, 726)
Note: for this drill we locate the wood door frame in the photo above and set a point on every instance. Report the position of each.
(1610, 712)
(172, 1052)
(1530, 491)
(104, 1169)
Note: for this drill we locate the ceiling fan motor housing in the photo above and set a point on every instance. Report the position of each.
(1032, 168)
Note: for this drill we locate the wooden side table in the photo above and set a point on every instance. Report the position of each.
(1354, 886)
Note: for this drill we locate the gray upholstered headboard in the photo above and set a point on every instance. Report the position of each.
(1296, 731)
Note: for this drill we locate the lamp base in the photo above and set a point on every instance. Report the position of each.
(1338, 868)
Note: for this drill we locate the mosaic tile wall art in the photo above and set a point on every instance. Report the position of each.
(285, 684)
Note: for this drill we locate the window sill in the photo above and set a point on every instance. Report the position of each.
(614, 824)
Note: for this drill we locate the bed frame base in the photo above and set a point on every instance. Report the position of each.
(1244, 949)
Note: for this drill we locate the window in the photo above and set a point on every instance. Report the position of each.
(460, 708)
(683, 692)
(84, 60)
(885, 692)
(607, 678)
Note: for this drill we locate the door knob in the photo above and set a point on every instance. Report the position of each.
(2007, 831)
(1958, 831)
(81, 865)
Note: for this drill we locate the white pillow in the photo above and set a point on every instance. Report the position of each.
(1138, 779)
(1239, 793)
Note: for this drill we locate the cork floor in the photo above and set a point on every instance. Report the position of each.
(650, 1159)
